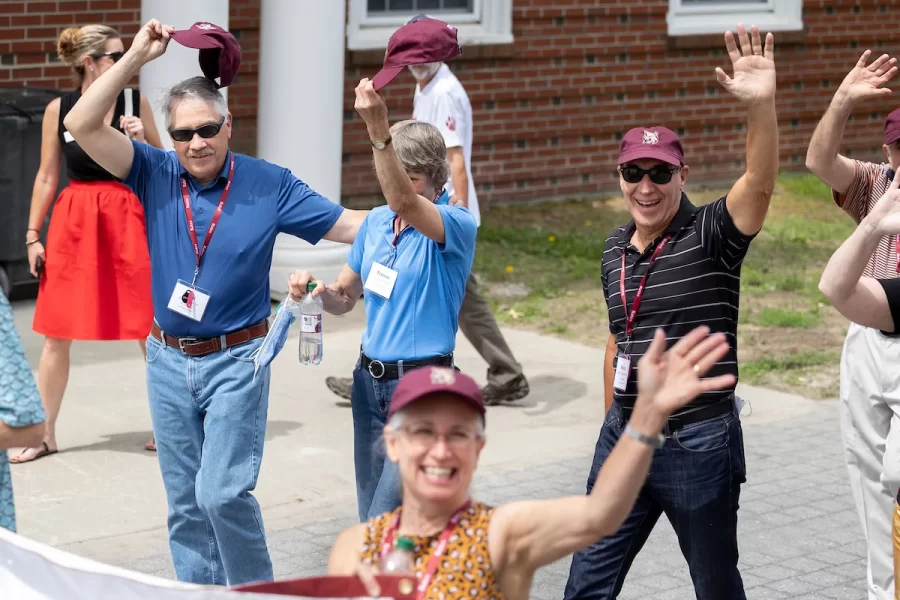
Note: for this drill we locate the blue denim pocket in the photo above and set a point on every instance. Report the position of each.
(706, 436)
(245, 352)
(384, 389)
(154, 349)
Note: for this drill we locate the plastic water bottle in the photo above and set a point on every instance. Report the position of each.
(310, 328)
(400, 560)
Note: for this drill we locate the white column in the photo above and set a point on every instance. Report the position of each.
(300, 117)
(178, 63)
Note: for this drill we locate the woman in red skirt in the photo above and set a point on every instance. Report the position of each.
(95, 271)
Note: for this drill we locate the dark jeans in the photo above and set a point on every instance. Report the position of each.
(695, 479)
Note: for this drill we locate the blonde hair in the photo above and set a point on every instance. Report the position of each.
(420, 147)
(77, 42)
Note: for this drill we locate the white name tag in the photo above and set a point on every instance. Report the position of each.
(188, 301)
(623, 370)
(381, 280)
(68, 137)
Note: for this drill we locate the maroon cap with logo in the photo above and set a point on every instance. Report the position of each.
(428, 381)
(422, 41)
(220, 53)
(892, 127)
(659, 143)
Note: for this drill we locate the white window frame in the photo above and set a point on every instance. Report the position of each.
(490, 22)
(774, 15)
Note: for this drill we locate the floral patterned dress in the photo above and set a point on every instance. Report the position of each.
(20, 403)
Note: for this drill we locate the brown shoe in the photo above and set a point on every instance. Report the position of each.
(341, 386)
(506, 394)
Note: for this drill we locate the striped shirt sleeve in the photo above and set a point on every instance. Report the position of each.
(720, 237)
(856, 201)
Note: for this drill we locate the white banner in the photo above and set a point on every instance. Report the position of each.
(33, 571)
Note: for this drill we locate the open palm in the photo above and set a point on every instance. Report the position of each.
(753, 66)
(867, 81)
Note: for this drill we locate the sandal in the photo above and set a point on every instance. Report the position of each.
(41, 453)
(151, 445)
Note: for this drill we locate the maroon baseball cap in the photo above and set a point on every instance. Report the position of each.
(422, 41)
(428, 381)
(660, 143)
(220, 53)
(892, 127)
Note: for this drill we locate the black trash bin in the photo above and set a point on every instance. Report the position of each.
(21, 118)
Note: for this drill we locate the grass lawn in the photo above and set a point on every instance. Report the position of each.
(541, 267)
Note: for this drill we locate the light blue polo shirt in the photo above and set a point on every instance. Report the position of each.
(421, 317)
(265, 200)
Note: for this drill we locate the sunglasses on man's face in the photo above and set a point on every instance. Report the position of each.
(205, 131)
(116, 56)
(658, 175)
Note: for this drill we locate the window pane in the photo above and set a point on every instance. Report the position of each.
(702, 2)
(465, 5)
(404, 5)
(376, 5)
(422, 5)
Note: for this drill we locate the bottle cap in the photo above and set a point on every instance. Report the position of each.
(405, 543)
(310, 286)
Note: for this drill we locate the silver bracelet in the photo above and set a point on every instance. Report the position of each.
(655, 442)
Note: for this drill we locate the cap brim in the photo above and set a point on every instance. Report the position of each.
(385, 76)
(649, 152)
(192, 39)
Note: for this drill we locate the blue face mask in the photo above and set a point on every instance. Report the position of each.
(285, 315)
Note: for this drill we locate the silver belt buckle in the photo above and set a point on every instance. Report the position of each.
(181, 342)
(380, 364)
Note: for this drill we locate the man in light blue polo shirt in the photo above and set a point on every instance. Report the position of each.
(410, 261)
(212, 218)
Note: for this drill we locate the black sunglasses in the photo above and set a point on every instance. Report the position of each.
(205, 131)
(116, 56)
(658, 175)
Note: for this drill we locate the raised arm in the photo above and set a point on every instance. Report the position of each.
(862, 299)
(421, 213)
(524, 536)
(863, 83)
(86, 121)
(753, 84)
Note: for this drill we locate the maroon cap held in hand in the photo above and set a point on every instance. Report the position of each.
(428, 381)
(659, 143)
(220, 53)
(423, 41)
(892, 127)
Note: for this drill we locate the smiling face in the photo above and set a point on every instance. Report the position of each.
(203, 157)
(436, 448)
(652, 205)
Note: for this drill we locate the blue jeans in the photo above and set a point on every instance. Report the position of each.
(695, 479)
(209, 418)
(378, 488)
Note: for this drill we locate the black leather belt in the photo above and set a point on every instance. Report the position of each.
(391, 370)
(692, 415)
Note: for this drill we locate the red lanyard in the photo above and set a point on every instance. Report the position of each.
(631, 315)
(897, 250)
(189, 215)
(431, 567)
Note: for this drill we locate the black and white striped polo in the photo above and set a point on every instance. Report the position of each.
(694, 281)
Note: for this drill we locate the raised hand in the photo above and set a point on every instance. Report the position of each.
(886, 212)
(669, 380)
(151, 40)
(753, 65)
(370, 105)
(867, 81)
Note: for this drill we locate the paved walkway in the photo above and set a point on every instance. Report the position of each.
(102, 496)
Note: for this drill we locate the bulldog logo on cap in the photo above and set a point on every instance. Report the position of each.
(442, 376)
(650, 137)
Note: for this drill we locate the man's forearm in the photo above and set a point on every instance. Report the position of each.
(762, 145)
(89, 112)
(847, 264)
(826, 139)
(460, 184)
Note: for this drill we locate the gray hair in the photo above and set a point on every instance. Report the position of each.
(195, 88)
(420, 147)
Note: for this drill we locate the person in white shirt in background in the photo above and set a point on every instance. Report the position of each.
(441, 100)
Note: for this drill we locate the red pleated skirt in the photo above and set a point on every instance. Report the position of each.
(96, 279)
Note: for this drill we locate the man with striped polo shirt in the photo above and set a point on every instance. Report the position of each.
(870, 393)
(676, 266)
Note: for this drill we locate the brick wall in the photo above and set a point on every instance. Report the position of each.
(550, 108)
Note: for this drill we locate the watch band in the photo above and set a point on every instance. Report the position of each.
(381, 145)
(656, 442)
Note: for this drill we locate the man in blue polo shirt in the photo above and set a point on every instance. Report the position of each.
(212, 218)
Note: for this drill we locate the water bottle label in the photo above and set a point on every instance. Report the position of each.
(311, 323)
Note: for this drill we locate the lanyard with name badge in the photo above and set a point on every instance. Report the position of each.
(623, 359)
(431, 567)
(187, 299)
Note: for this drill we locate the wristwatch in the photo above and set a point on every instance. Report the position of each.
(657, 442)
(381, 145)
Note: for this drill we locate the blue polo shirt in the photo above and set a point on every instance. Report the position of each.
(264, 200)
(421, 317)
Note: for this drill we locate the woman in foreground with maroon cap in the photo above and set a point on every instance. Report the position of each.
(464, 548)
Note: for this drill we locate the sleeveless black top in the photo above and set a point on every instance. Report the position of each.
(80, 166)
